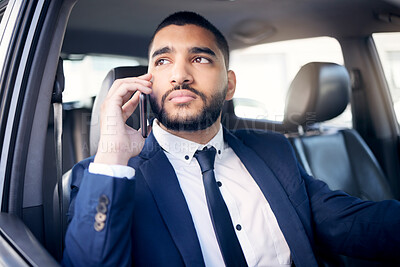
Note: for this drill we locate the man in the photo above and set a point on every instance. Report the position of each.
(156, 203)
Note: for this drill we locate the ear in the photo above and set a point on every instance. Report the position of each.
(231, 85)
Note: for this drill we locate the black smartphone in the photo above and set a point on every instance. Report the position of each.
(143, 99)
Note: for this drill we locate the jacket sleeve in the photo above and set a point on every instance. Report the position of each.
(350, 226)
(100, 217)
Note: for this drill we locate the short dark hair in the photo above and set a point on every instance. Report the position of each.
(182, 18)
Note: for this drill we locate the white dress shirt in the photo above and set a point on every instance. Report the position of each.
(257, 229)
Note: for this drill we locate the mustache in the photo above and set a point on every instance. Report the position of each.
(186, 87)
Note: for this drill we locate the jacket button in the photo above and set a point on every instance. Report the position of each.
(100, 217)
(98, 226)
(102, 208)
(104, 199)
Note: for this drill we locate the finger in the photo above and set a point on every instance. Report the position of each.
(144, 80)
(146, 76)
(129, 107)
(129, 94)
(126, 90)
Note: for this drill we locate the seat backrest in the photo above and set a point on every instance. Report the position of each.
(339, 157)
(133, 121)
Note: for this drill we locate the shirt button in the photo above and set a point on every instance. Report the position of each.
(238, 227)
(219, 184)
(219, 151)
(186, 157)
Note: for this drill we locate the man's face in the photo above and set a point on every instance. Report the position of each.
(190, 81)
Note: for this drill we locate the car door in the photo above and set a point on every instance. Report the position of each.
(31, 35)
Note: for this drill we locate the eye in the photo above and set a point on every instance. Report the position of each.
(162, 61)
(202, 60)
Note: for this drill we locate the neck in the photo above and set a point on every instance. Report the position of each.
(201, 136)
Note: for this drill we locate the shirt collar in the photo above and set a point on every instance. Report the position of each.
(184, 149)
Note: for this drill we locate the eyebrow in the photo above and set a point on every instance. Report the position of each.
(161, 51)
(202, 50)
(193, 50)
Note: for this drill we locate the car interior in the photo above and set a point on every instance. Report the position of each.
(341, 113)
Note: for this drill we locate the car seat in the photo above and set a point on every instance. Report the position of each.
(337, 156)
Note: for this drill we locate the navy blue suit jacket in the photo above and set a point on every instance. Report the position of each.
(149, 224)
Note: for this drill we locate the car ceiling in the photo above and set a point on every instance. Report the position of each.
(125, 27)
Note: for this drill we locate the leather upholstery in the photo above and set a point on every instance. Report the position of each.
(340, 158)
(344, 162)
(319, 92)
(114, 74)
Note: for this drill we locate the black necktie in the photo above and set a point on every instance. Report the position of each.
(223, 227)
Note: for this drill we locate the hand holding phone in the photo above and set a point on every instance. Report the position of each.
(118, 106)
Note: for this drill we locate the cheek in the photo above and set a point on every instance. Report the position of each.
(218, 78)
(160, 76)
(210, 83)
(160, 79)
(158, 89)
(156, 97)
(219, 83)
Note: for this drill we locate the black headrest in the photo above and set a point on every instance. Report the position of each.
(114, 74)
(319, 92)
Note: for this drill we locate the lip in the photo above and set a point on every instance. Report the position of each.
(181, 96)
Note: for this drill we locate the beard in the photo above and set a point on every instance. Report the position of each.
(206, 117)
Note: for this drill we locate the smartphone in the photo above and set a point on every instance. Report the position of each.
(143, 99)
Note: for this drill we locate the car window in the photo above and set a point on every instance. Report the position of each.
(264, 73)
(85, 74)
(3, 5)
(388, 46)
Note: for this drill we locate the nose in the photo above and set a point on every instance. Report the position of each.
(181, 73)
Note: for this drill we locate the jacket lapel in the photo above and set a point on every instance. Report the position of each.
(285, 213)
(162, 181)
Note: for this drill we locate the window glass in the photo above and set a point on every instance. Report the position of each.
(388, 46)
(85, 74)
(264, 73)
(3, 5)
